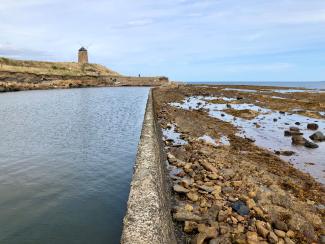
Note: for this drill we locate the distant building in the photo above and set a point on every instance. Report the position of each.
(83, 56)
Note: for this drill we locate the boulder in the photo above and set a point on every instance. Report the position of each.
(317, 136)
(312, 126)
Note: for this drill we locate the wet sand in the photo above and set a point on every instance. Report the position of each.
(237, 177)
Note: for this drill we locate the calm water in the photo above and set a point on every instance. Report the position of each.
(66, 159)
(303, 84)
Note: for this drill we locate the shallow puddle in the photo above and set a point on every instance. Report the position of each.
(267, 130)
(174, 137)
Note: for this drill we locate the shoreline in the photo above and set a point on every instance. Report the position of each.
(235, 191)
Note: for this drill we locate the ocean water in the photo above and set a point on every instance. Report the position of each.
(66, 162)
(300, 84)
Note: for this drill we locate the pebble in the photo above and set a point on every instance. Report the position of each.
(213, 176)
(188, 207)
(310, 144)
(208, 189)
(280, 225)
(322, 239)
(240, 207)
(312, 126)
(298, 140)
(280, 233)
(189, 226)
(317, 136)
(227, 189)
(273, 238)
(192, 196)
(211, 232)
(290, 234)
(252, 194)
(289, 241)
(251, 236)
(261, 230)
(183, 216)
(250, 203)
(180, 189)
(258, 211)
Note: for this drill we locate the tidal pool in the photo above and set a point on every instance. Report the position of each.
(270, 132)
(66, 160)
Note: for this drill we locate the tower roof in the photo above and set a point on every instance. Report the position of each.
(82, 49)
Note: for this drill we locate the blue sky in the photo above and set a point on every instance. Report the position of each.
(278, 40)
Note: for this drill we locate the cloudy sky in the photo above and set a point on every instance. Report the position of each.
(196, 40)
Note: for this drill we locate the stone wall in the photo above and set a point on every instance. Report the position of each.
(148, 218)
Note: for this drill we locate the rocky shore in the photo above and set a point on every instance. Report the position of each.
(229, 187)
(19, 75)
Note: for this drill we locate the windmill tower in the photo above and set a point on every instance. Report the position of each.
(83, 56)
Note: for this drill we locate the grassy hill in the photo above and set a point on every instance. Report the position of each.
(54, 68)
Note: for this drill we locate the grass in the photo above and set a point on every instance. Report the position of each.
(54, 68)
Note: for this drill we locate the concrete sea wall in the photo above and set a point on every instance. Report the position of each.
(148, 218)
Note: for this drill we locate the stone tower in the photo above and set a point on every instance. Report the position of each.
(83, 56)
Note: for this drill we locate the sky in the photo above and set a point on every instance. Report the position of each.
(186, 40)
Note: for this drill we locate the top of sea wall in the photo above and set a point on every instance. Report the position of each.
(148, 218)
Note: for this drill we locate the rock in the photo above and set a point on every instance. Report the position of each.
(287, 133)
(252, 194)
(187, 182)
(261, 230)
(240, 207)
(297, 123)
(322, 239)
(216, 192)
(189, 226)
(280, 225)
(293, 128)
(281, 241)
(310, 144)
(317, 136)
(222, 216)
(223, 228)
(186, 216)
(250, 203)
(192, 196)
(298, 140)
(258, 211)
(180, 189)
(290, 234)
(199, 238)
(228, 173)
(280, 233)
(213, 176)
(292, 133)
(188, 208)
(287, 153)
(275, 120)
(211, 232)
(208, 166)
(312, 126)
(208, 189)
(234, 220)
(288, 241)
(251, 236)
(272, 237)
(227, 189)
